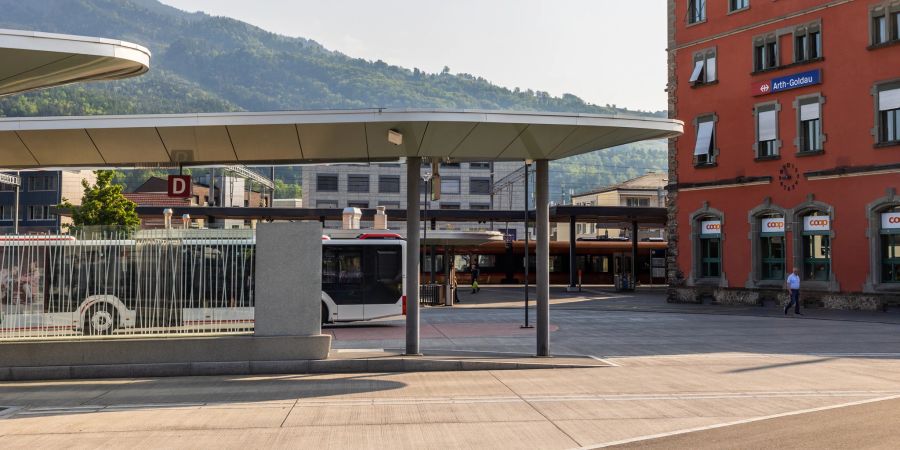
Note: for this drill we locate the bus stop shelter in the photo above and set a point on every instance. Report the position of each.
(338, 136)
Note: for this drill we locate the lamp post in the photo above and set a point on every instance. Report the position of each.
(426, 177)
(527, 163)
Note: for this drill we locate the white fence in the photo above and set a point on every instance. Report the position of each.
(159, 282)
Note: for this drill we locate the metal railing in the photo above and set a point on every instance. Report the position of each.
(117, 284)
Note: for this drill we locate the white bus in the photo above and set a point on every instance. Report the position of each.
(60, 285)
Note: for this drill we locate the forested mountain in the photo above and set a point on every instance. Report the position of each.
(203, 63)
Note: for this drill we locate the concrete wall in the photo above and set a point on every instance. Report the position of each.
(289, 279)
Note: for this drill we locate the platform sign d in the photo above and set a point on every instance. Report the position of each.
(180, 186)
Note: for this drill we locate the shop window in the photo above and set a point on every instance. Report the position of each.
(766, 53)
(696, 11)
(810, 136)
(450, 205)
(737, 5)
(361, 204)
(326, 182)
(328, 204)
(704, 70)
(816, 246)
(480, 165)
(767, 143)
(808, 42)
(704, 148)
(888, 106)
(634, 201)
(890, 245)
(479, 206)
(710, 248)
(772, 247)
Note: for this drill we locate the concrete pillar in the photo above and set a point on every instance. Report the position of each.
(288, 279)
(634, 253)
(573, 264)
(542, 252)
(413, 169)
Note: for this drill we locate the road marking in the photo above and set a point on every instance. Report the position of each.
(605, 361)
(739, 422)
(359, 350)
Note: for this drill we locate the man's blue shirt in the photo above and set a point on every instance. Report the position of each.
(793, 281)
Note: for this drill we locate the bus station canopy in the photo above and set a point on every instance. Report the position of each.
(33, 60)
(316, 136)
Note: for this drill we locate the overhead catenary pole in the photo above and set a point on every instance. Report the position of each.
(573, 261)
(413, 172)
(542, 252)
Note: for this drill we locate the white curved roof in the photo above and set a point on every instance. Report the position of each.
(34, 60)
(315, 136)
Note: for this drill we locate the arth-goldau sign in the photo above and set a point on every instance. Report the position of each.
(786, 83)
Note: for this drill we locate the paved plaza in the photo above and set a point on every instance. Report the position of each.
(671, 376)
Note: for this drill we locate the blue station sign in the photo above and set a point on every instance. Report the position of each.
(786, 83)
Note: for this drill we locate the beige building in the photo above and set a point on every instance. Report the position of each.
(644, 191)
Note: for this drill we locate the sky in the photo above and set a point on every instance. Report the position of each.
(604, 51)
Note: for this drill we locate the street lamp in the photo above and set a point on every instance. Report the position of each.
(527, 204)
(426, 177)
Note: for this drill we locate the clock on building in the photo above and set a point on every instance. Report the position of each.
(788, 176)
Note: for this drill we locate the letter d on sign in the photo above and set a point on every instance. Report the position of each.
(180, 186)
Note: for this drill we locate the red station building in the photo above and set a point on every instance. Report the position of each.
(791, 151)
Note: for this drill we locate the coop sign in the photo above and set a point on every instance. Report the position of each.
(786, 83)
(711, 227)
(890, 221)
(773, 225)
(817, 223)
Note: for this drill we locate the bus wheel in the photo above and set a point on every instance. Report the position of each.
(100, 320)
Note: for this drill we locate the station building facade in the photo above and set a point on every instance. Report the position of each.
(791, 151)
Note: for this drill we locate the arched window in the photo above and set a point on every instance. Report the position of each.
(890, 245)
(816, 246)
(771, 247)
(710, 251)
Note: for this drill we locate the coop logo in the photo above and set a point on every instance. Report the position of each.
(774, 225)
(816, 223)
(711, 227)
(890, 221)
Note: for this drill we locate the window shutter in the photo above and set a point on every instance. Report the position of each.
(698, 70)
(889, 99)
(704, 138)
(767, 121)
(809, 111)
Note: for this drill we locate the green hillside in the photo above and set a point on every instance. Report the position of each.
(203, 63)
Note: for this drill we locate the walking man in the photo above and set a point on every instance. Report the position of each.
(793, 287)
(475, 273)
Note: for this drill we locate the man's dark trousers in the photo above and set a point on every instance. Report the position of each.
(795, 300)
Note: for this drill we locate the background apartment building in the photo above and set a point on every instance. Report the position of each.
(39, 194)
(463, 186)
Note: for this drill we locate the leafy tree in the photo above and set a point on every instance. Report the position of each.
(286, 190)
(104, 205)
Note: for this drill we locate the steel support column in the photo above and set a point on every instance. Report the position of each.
(573, 264)
(413, 174)
(542, 226)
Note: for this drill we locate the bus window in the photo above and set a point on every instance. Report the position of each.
(342, 274)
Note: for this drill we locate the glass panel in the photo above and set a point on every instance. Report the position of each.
(879, 30)
(800, 47)
(815, 45)
(704, 138)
